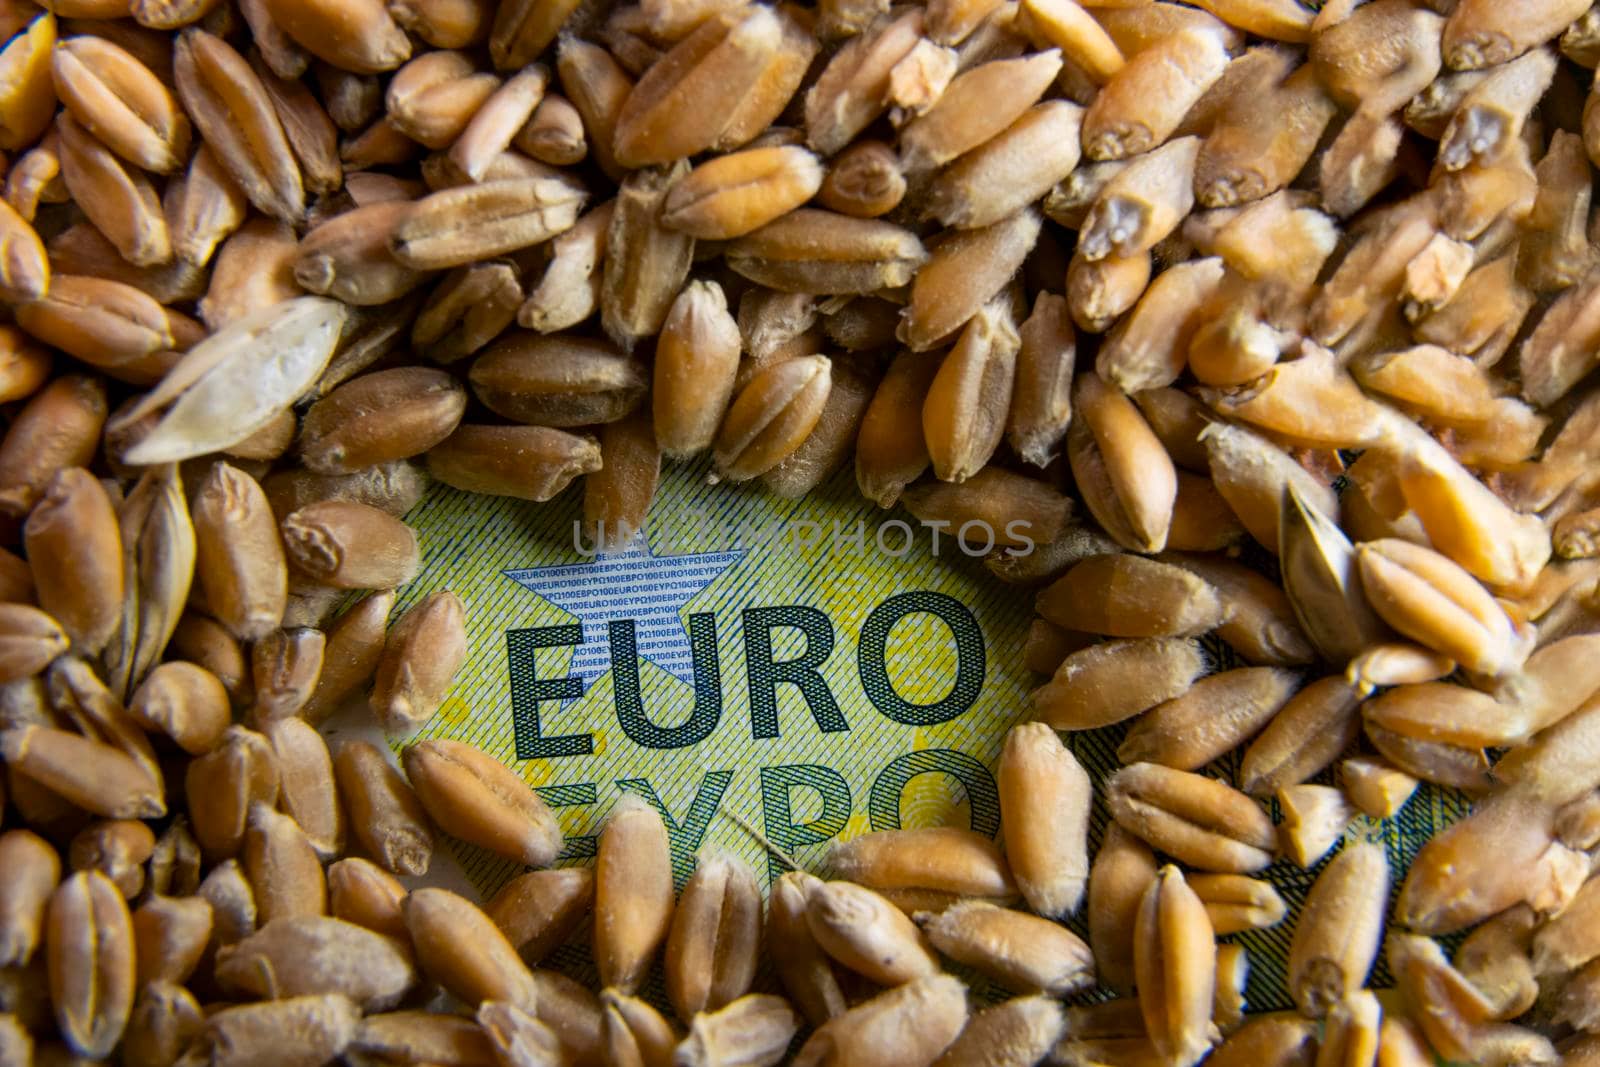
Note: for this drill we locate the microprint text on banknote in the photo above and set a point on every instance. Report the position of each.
(770, 692)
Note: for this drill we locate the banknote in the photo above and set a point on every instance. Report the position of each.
(772, 675)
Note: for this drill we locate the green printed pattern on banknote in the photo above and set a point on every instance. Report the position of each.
(773, 675)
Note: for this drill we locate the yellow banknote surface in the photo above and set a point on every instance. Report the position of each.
(773, 675)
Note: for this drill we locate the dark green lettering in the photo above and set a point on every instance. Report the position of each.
(528, 691)
(777, 808)
(803, 672)
(685, 837)
(983, 798)
(872, 658)
(707, 686)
